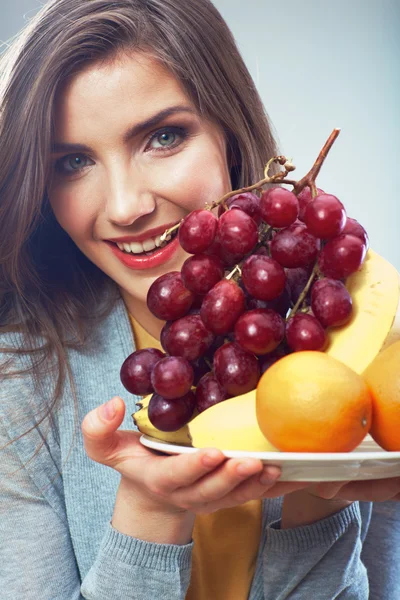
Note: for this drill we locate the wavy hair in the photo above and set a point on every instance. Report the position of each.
(48, 289)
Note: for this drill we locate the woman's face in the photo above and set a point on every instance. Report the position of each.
(131, 158)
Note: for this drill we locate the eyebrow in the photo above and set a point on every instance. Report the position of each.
(137, 129)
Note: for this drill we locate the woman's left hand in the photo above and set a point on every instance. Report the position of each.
(371, 490)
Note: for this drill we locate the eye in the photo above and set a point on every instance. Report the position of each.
(72, 164)
(167, 138)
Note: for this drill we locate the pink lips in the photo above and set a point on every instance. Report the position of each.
(145, 261)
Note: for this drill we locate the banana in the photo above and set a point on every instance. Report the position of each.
(232, 424)
(228, 425)
(375, 324)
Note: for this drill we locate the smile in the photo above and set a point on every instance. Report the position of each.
(147, 245)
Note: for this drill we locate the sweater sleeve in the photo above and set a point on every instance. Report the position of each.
(321, 560)
(37, 557)
(37, 560)
(37, 554)
(136, 570)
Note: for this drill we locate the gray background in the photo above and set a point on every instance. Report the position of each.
(321, 64)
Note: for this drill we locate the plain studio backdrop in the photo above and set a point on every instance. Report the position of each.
(318, 65)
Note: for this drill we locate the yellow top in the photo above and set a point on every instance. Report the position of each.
(225, 542)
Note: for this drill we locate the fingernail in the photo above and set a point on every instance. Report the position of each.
(244, 469)
(211, 458)
(108, 410)
(268, 477)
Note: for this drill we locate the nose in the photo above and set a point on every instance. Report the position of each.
(129, 197)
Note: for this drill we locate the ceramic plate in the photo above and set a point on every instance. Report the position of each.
(367, 461)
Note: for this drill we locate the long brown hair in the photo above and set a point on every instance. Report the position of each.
(48, 289)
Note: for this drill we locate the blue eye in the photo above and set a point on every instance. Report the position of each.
(72, 164)
(168, 137)
(165, 139)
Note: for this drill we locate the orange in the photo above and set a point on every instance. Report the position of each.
(383, 379)
(311, 402)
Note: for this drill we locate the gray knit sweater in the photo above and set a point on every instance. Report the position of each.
(56, 542)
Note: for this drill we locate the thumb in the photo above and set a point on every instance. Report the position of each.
(99, 429)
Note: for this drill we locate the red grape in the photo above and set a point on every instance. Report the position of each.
(222, 306)
(331, 302)
(136, 370)
(304, 197)
(200, 368)
(342, 256)
(294, 246)
(279, 207)
(263, 277)
(197, 231)
(167, 298)
(172, 414)
(259, 331)
(237, 371)
(305, 332)
(217, 249)
(209, 392)
(201, 272)
(188, 337)
(297, 279)
(280, 304)
(237, 231)
(247, 202)
(172, 377)
(353, 227)
(325, 216)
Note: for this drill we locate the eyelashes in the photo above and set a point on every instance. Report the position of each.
(179, 135)
(164, 140)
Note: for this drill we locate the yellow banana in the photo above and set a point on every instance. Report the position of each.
(228, 425)
(375, 323)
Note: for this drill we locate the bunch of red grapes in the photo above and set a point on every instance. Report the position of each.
(266, 278)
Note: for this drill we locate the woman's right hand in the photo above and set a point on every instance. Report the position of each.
(173, 488)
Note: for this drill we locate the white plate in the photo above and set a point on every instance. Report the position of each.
(367, 461)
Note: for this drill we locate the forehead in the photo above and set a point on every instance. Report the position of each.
(134, 82)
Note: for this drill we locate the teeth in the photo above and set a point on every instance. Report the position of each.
(135, 247)
(149, 245)
(145, 246)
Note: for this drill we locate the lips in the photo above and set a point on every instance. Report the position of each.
(147, 260)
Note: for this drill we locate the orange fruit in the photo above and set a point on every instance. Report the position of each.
(383, 379)
(311, 402)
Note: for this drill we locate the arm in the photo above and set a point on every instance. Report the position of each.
(321, 559)
(36, 556)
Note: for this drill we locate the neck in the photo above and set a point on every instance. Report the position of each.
(142, 315)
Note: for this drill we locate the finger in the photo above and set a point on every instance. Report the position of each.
(99, 429)
(328, 490)
(175, 472)
(252, 488)
(281, 488)
(377, 490)
(220, 482)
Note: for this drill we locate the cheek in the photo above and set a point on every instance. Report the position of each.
(199, 177)
(74, 212)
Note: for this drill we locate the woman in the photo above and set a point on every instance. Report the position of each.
(117, 119)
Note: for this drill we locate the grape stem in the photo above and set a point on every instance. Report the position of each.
(236, 269)
(309, 179)
(304, 293)
(168, 232)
